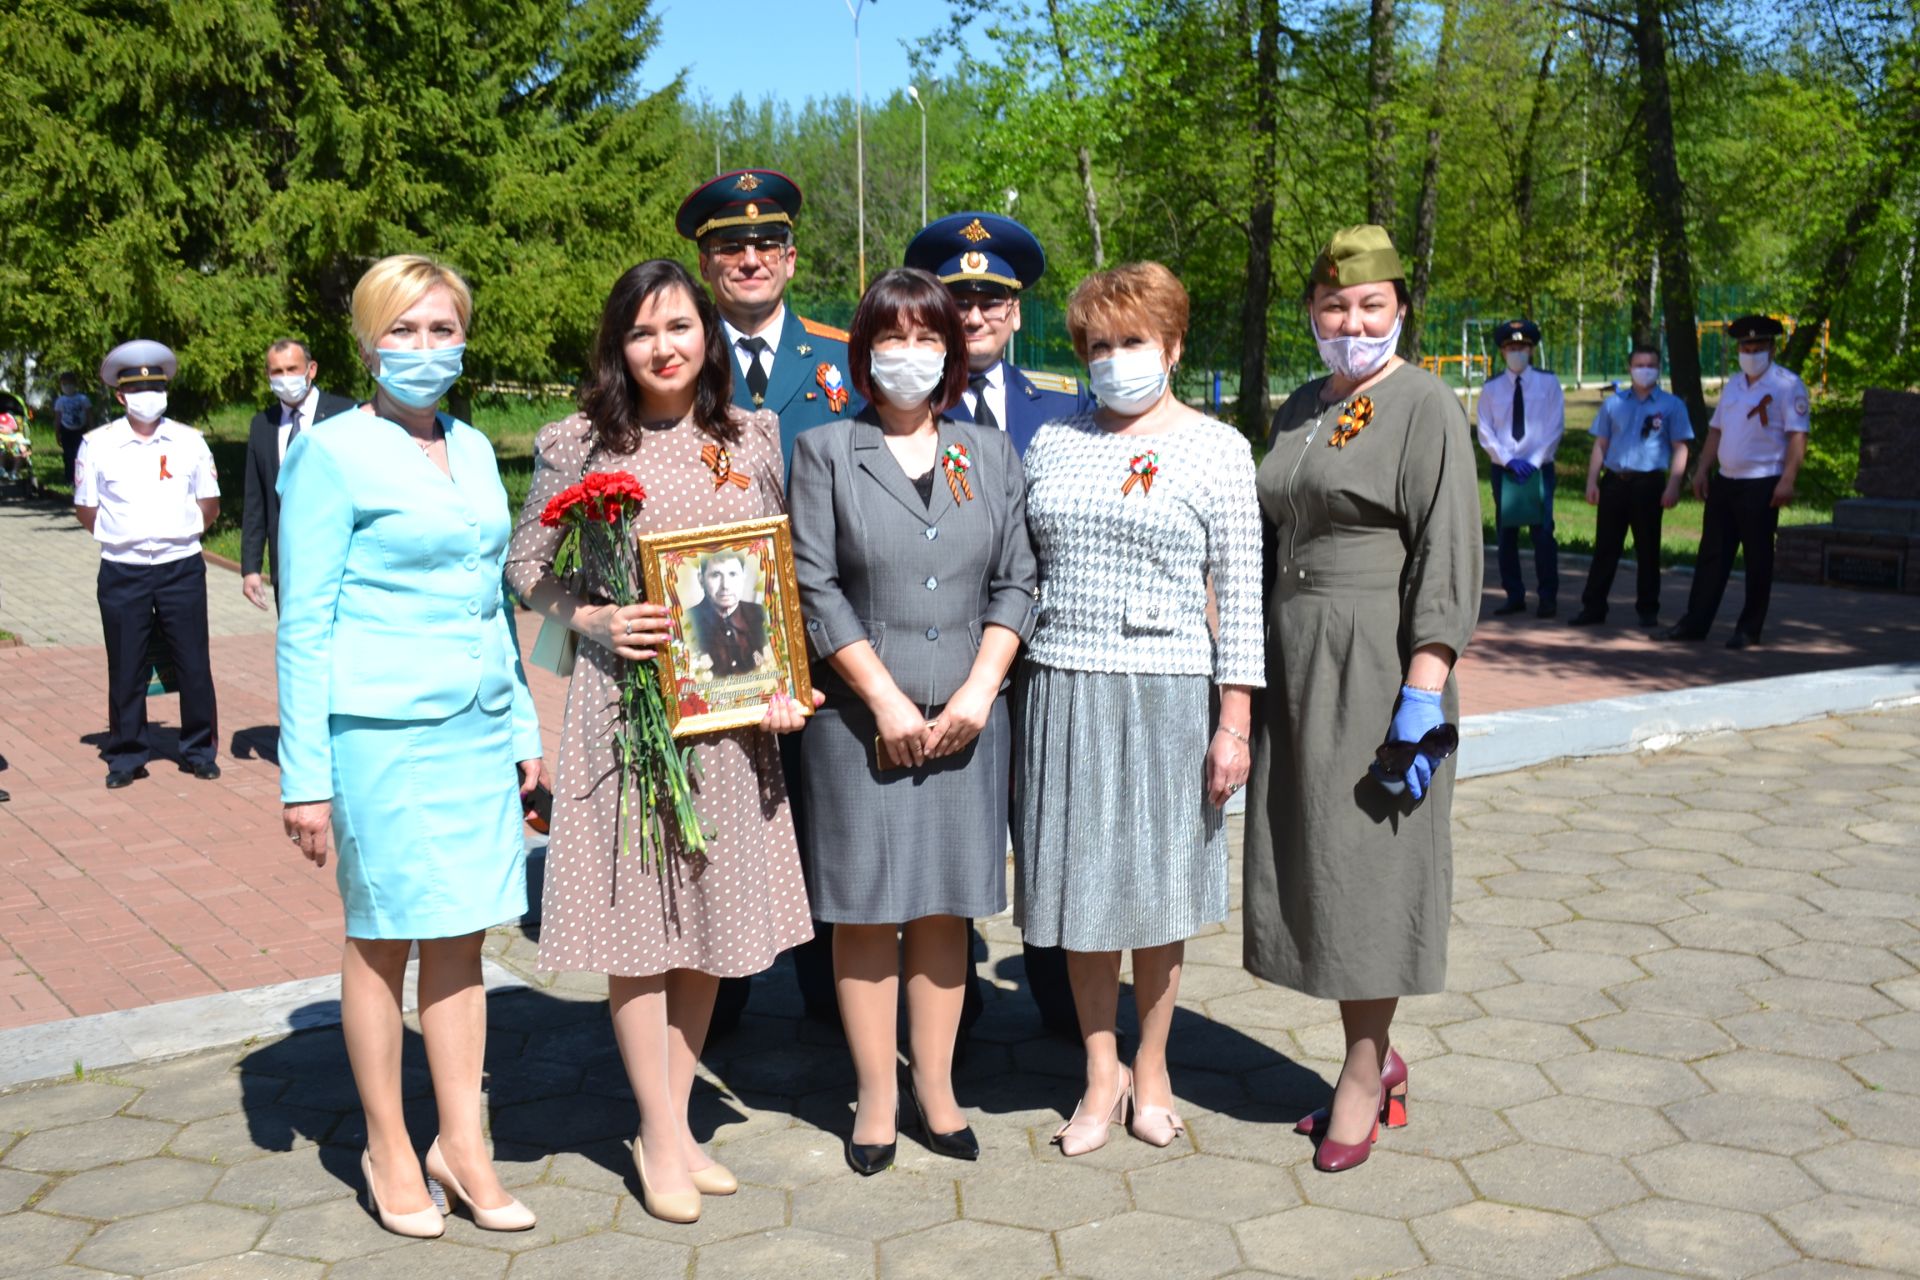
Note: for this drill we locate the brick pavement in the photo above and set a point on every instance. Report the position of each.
(1681, 1037)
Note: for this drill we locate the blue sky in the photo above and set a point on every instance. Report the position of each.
(792, 50)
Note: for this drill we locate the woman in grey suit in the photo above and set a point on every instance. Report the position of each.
(917, 580)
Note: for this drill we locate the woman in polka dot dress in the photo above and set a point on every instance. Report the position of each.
(659, 394)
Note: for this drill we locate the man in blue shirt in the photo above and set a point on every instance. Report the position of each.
(72, 419)
(1640, 436)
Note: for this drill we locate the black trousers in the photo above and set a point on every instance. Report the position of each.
(1629, 500)
(136, 600)
(69, 450)
(1740, 516)
(1546, 551)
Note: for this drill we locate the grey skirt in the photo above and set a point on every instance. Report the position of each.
(885, 848)
(1115, 845)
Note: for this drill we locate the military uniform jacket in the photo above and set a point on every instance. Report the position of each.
(1033, 400)
(809, 375)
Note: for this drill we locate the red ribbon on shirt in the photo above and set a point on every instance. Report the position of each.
(164, 473)
(1761, 408)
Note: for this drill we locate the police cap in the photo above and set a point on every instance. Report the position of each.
(978, 249)
(140, 361)
(740, 203)
(1517, 331)
(1755, 328)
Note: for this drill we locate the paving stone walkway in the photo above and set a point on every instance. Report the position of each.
(1682, 1037)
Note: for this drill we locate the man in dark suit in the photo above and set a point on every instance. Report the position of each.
(728, 629)
(298, 404)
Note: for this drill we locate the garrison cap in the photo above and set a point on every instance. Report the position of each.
(1517, 331)
(740, 202)
(978, 249)
(1753, 328)
(142, 360)
(1357, 255)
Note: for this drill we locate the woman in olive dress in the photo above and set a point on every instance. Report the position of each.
(1372, 511)
(656, 405)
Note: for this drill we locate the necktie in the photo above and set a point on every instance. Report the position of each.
(294, 430)
(756, 372)
(982, 411)
(1519, 409)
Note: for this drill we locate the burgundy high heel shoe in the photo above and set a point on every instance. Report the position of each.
(1393, 1116)
(1332, 1157)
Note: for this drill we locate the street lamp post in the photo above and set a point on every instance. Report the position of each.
(920, 103)
(859, 137)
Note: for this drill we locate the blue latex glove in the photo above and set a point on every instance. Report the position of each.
(1419, 710)
(1521, 469)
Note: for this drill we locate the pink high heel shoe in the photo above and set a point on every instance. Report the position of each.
(511, 1216)
(1393, 1076)
(1332, 1157)
(1155, 1126)
(1082, 1134)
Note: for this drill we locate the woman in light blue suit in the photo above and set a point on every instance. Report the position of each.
(407, 733)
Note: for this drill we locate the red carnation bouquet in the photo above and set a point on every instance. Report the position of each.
(597, 515)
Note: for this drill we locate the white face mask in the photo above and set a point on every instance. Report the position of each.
(1755, 363)
(1356, 357)
(1646, 375)
(290, 388)
(1130, 381)
(146, 406)
(906, 376)
(1518, 360)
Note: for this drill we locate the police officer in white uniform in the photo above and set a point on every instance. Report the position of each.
(144, 487)
(1758, 436)
(1523, 414)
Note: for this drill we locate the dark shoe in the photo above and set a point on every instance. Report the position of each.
(5, 796)
(1547, 609)
(957, 1145)
(1682, 632)
(206, 770)
(1393, 1075)
(1586, 618)
(1650, 619)
(119, 778)
(1740, 640)
(869, 1158)
(1510, 608)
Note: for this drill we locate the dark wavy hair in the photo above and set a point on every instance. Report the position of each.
(908, 295)
(611, 399)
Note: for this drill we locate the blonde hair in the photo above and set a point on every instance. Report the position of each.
(1142, 293)
(394, 284)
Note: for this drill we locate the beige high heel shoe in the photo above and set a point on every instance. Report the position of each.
(511, 1216)
(675, 1206)
(1155, 1126)
(715, 1180)
(1081, 1134)
(421, 1224)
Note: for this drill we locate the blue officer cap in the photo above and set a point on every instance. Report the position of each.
(978, 248)
(1517, 331)
(739, 202)
(1748, 328)
(142, 360)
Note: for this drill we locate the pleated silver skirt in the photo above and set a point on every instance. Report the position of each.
(1115, 845)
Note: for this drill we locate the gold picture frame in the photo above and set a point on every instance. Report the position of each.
(727, 660)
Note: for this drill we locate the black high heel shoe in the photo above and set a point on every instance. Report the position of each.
(958, 1145)
(869, 1158)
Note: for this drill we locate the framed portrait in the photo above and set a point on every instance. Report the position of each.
(737, 634)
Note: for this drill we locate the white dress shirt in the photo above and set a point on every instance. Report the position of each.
(995, 394)
(770, 331)
(1546, 417)
(146, 489)
(1754, 420)
(303, 412)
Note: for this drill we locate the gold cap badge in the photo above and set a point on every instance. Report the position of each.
(973, 263)
(975, 232)
(746, 182)
(753, 210)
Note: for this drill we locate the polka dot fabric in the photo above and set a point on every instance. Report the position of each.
(602, 912)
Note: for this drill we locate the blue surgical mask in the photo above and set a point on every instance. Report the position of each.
(418, 377)
(1645, 375)
(1130, 381)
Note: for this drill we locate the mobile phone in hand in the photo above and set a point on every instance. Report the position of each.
(539, 808)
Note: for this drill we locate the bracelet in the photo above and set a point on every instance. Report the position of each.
(1234, 733)
(1441, 688)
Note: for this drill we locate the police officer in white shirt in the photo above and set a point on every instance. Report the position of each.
(1522, 416)
(1758, 435)
(144, 487)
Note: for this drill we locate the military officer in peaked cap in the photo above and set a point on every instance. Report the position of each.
(743, 224)
(1758, 436)
(1522, 415)
(985, 261)
(145, 488)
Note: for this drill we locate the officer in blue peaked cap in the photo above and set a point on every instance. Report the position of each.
(985, 261)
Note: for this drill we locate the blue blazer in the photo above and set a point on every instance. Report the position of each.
(1033, 400)
(392, 603)
(793, 389)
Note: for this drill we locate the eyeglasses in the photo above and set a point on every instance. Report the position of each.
(991, 308)
(731, 251)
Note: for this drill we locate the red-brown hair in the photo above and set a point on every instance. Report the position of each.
(897, 298)
(1140, 293)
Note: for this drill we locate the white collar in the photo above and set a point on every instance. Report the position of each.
(304, 408)
(770, 330)
(996, 375)
(164, 430)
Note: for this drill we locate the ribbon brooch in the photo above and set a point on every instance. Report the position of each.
(720, 462)
(828, 376)
(1761, 408)
(1141, 471)
(957, 464)
(1353, 420)
(164, 473)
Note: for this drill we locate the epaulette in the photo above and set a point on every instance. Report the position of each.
(1061, 382)
(819, 330)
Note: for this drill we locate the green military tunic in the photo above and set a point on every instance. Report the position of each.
(1374, 550)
